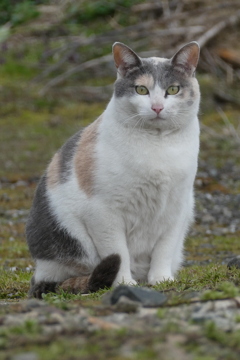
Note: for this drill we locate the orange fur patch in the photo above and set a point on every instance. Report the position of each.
(84, 157)
(145, 80)
(76, 285)
(53, 171)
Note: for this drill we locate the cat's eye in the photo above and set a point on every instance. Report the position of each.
(141, 90)
(173, 90)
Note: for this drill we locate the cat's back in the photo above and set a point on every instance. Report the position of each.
(75, 159)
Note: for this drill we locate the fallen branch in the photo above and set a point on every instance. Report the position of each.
(84, 66)
(87, 93)
(229, 125)
(223, 97)
(230, 56)
(216, 29)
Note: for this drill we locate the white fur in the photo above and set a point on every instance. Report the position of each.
(142, 203)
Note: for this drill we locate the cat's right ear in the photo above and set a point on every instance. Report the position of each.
(125, 58)
(186, 59)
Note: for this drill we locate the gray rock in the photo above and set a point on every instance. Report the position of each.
(234, 262)
(147, 297)
(26, 356)
(32, 304)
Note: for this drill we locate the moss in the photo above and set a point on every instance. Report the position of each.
(39, 135)
(161, 313)
(204, 357)
(14, 284)
(62, 299)
(224, 290)
(237, 318)
(197, 248)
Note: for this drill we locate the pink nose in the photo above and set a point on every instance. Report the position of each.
(157, 109)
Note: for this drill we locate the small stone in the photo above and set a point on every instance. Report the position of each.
(54, 318)
(127, 305)
(146, 297)
(225, 304)
(26, 356)
(30, 304)
(234, 262)
(21, 183)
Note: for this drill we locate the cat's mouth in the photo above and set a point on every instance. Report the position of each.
(157, 118)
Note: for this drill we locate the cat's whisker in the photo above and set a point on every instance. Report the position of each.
(130, 118)
(136, 125)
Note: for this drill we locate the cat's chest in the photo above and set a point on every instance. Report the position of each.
(154, 182)
(143, 208)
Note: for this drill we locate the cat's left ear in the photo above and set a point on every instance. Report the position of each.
(186, 59)
(125, 58)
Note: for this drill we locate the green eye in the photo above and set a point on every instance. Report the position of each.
(141, 90)
(173, 90)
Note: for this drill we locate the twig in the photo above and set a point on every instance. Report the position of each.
(216, 29)
(84, 66)
(210, 131)
(87, 93)
(227, 122)
(226, 67)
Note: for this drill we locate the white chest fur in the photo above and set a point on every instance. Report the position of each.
(147, 179)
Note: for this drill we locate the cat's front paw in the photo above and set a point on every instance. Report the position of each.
(124, 280)
(154, 280)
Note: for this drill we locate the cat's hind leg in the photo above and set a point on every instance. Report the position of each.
(51, 276)
(48, 275)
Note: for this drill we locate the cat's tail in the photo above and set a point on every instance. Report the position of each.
(102, 277)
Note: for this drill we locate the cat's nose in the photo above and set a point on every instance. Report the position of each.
(157, 109)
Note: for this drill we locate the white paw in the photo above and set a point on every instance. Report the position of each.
(124, 280)
(154, 280)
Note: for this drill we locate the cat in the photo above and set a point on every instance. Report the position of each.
(116, 201)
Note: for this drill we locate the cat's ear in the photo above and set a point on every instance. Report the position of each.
(125, 58)
(186, 59)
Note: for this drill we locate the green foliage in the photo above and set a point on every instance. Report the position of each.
(237, 318)
(30, 327)
(17, 11)
(90, 10)
(197, 278)
(14, 284)
(60, 300)
(231, 340)
(63, 297)
(6, 8)
(199, 357)
(161, 313)
(224, 290)
(23, 12)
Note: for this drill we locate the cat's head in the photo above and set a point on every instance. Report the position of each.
(156, 92)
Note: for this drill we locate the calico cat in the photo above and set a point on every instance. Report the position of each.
(116, 201)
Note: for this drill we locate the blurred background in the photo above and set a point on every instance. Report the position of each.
(57, 74)
(56, 68)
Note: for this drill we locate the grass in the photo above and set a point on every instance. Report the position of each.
(14, 284)
(32, 128)
(203, 247)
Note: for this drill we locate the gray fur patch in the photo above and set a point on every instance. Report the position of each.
(46, 239)
(163, 73)
(66, 155)
(189, 103)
